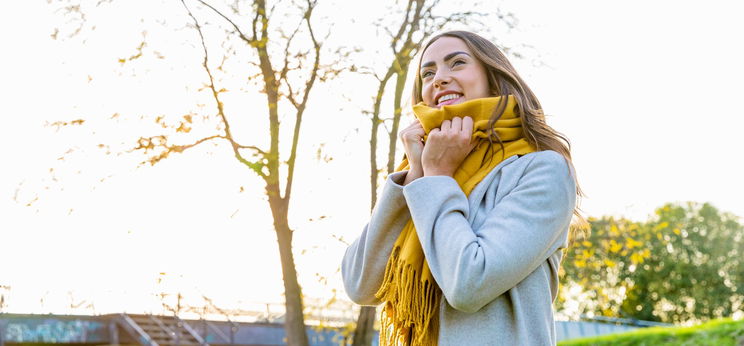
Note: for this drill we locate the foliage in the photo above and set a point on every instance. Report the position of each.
(719, 332)
(681, 265)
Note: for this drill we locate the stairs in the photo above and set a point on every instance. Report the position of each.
(153, 330)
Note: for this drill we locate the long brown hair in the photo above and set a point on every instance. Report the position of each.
(504, 80)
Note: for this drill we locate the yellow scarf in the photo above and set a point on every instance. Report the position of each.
(411, 296)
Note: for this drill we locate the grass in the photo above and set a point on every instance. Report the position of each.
(721, 332)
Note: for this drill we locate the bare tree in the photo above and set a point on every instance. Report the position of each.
(266, 164)
(288, 66)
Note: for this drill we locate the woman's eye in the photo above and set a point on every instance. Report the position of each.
(455, 63)
(426, 74)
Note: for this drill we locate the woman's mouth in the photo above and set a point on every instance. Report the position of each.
(449, 99)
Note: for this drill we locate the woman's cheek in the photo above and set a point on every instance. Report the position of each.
(427, 96)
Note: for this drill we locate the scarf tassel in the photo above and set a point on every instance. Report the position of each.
(410, 315)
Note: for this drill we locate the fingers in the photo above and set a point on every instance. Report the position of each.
(458, 128)
(417, 128)
(446, 126)
(458, 124)
(467, 130)
(467, 124)
(415, 125)
(414, 132)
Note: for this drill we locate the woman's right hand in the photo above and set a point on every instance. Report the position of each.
(413, 144)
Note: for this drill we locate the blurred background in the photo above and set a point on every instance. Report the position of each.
(153, 161)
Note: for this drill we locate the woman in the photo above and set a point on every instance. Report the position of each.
(464, 244)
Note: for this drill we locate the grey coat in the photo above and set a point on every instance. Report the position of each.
(494, 254)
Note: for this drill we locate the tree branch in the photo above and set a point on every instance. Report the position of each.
(240, 33)
(261, 152)
(150, 143)
(401, 30)
(255, 166)
(181, 148)
(285, 69)
(301, 109)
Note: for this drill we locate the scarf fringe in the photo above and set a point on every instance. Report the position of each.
(411, 312)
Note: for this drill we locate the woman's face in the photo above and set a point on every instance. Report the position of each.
(450, 74)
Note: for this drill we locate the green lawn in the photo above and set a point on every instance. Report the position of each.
(720, 332)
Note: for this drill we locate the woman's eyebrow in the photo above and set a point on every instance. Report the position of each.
(446, 57)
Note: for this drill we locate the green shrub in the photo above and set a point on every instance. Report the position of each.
(720, 332)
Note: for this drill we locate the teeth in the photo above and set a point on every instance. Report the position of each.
(448, 97)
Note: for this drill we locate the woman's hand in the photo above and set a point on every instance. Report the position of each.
(447, 146)
(413, 144)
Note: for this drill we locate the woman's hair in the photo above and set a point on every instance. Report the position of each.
(504, 80)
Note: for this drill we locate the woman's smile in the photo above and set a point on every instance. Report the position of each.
(449, 99)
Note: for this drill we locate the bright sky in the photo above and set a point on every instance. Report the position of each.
(640, 87)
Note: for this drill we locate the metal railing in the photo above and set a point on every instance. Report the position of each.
(134, 329)
(588, 326)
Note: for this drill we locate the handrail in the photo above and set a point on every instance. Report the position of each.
(2, 331)
(130, 324)
(218, 332)
(625, 321)
(191, 331)
(171, 333)
(233, 326)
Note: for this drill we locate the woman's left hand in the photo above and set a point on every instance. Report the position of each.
(447, 146)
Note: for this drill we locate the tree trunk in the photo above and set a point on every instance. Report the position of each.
(294, 323)
(365, 321)
(400, 83)
(365, 326)
(373, 172)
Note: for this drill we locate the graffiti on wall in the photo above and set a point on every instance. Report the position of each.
(52, 331)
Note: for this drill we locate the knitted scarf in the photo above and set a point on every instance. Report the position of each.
(410, 294)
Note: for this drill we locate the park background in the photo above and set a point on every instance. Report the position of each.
(643, 90)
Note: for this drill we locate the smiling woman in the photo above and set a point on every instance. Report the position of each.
(464, 246)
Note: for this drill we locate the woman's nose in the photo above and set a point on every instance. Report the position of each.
(440, 80)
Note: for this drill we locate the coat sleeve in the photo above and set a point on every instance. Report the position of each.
(364, 262)
(475, 266)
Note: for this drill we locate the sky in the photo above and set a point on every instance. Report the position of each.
(641, 88)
